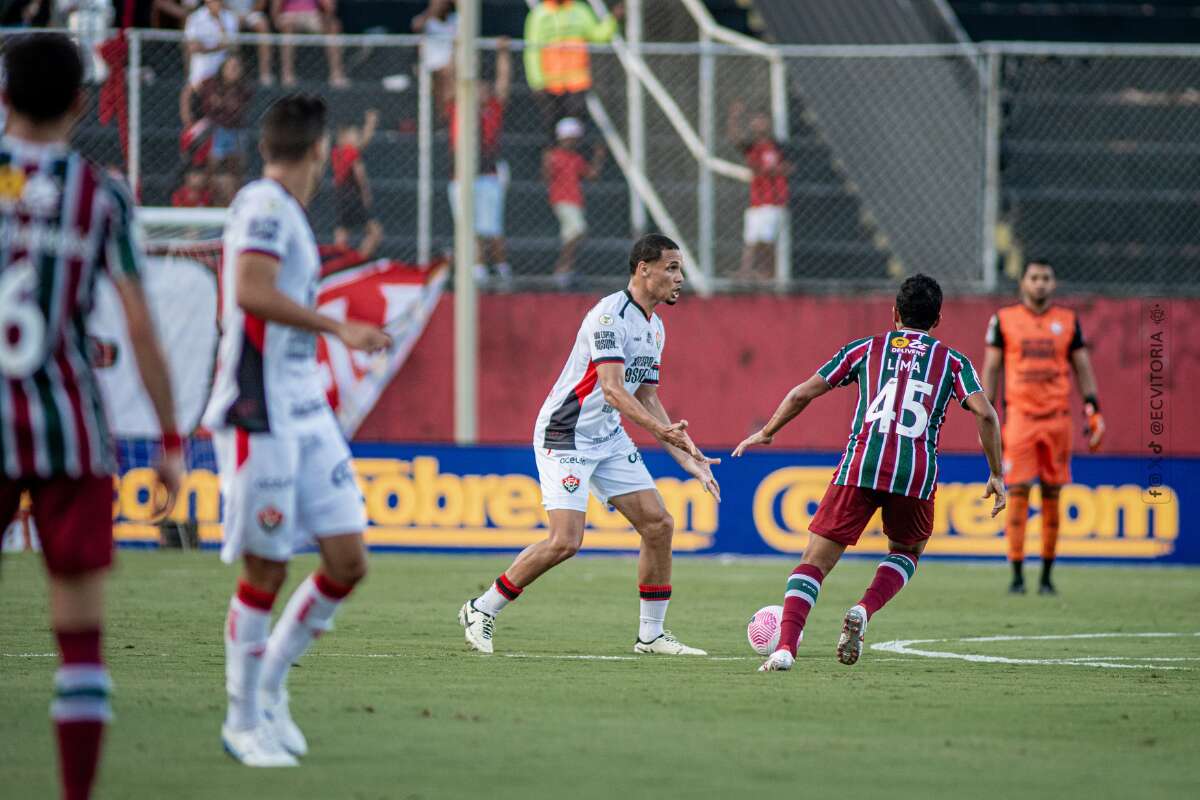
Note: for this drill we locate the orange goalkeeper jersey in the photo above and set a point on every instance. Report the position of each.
(1037, 363)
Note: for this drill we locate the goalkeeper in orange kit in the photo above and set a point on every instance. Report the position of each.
(1038, 345)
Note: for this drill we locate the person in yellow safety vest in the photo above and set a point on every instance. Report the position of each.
(557, 67)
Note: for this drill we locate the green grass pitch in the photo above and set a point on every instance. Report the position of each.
(394, 706)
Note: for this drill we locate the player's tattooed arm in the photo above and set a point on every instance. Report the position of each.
(612, 383)
(258, 295)
(989, 436)
(793, 403)
(699, 468)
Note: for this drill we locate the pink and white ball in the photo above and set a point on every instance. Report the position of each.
(763, 630)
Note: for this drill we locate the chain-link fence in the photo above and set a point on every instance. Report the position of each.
(953, 160)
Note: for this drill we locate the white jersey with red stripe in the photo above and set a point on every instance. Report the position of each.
(616, 330)
(267, 375)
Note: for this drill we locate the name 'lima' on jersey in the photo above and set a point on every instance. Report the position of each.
(905, 381)
(575, 415)
(267, 375)
(63, 222)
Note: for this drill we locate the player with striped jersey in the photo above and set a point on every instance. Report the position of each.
(906, 379)
(64, 223)
(580, 447)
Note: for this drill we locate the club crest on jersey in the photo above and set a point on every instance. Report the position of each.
(571, 482)
(606, 319)
(1056, 327)
(40, 196)
(658, 339)
(270, 518)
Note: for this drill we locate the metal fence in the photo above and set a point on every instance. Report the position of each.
(954, 160)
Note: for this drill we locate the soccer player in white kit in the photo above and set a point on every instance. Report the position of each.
(580, 446)
(286, 475)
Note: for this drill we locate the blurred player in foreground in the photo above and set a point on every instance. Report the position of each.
(580, 447)
(63, 222)
(286, 476)
(1038, 345)
(905, 381)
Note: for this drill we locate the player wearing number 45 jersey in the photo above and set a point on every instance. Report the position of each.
(906, 379)
(580, 447)
(63, 224)
(286, 477)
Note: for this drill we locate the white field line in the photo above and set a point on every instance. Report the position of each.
(905, 647)
(546, 656)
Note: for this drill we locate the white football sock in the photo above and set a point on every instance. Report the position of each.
(246, 630)
(491, 601)
(651, 619)
(308, 614)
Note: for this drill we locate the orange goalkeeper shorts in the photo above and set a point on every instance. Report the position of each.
(1037, 448)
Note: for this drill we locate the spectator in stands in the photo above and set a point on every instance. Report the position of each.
(251, 15)
(492, 180)
(767, 213)
(224, 99)
(208, 39)
(25, 14)
(194, 192)
(563, 170)
(439, 23)
(308, 16)
(557, 66)
(351, 188)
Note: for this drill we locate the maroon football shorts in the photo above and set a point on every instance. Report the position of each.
(845, 511)
(73, 518)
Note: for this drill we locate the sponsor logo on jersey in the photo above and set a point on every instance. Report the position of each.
(605, 340)
(903, 344)
(606, 319)
(634, 457)
(649, 337)
(343, 473)
(263, 228)
(270, 518)
(272, 484)
(571, 483)
(12, 183)
(572, 460)
(1056, 327)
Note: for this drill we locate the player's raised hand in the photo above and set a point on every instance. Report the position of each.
(995, 486)
(1095, 427)
(759, 437)
(360, 336)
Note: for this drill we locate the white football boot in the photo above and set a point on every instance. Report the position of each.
(854, 631)
(667, 645)
(256, 747)
(278, 718)
(779, 661)
(477, 626)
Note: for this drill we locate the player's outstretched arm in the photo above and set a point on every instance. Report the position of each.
(989, 436)
(793, 403)
(612, 383)
(258, 296)
(698, 468)
(1085, 376)
(152, 366)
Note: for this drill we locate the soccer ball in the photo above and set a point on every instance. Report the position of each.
(762, 631)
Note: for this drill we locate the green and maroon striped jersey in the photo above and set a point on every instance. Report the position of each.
(905, 381)
(63, 220)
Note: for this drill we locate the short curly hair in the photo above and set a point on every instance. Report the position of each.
(919, 302)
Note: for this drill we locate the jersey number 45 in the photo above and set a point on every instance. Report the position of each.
(883, 408)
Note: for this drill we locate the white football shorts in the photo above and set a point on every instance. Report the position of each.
(281, 493)
(761, 224)
(569, 476)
